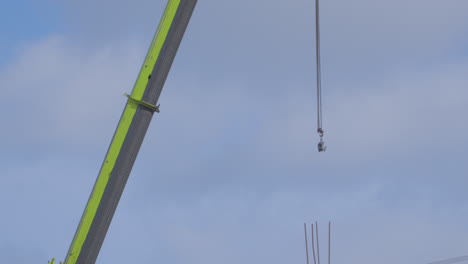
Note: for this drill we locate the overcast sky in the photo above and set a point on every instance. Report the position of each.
(229, 170)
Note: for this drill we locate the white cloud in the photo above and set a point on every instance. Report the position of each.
(59, 93)
(238, 227)
(229, 169)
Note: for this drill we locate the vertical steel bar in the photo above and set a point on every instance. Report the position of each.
(313, 246)
(318, 248)
(306, 245)
(329, 239)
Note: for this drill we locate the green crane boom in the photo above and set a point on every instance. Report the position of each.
(128, 137)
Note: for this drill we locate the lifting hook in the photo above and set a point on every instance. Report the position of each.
(321, 144)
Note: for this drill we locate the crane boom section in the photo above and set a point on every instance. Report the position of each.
(128, 137)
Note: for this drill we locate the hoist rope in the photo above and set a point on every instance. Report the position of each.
(319, 79)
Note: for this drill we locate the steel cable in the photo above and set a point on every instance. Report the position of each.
(319, 79)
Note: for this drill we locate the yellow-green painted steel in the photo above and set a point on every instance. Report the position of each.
(155, 108)
(121, 132)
